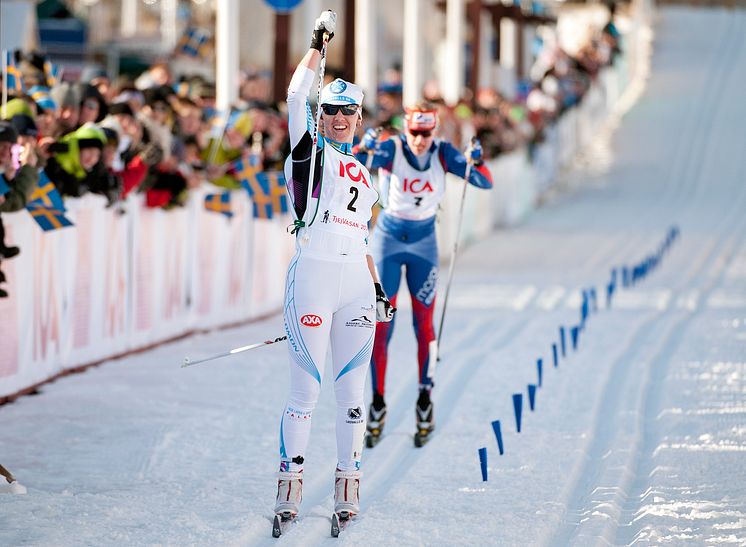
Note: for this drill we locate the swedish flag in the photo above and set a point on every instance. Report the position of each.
(244, 170)
(46, 194)
(268, 192)
(219, 203)
(49, 219)
(52, 73)
(193, 42)
(15, 78)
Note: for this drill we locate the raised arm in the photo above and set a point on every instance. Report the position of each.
(455, 162)
(300, 118)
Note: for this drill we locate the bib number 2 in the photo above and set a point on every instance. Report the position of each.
(351, 205)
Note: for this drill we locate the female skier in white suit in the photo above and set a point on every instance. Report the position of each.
(332, 291)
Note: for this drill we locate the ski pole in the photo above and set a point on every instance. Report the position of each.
(322, 70)
(452, 265)
(188, 362)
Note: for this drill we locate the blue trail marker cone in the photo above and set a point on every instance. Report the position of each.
(531, 396)
(483, 462)
(539, 366)
(498, 436)
(554, 355)
(574, 331)
(594, 299)
(585, 306)
(562, 340)
(518, 407)
(609, 294)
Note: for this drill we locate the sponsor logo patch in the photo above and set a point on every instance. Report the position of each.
(361, 321)
(311, 320)
(338, 86)
(427, 291)
(355, 415)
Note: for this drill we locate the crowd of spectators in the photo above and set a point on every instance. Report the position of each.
(161, 136)
(557, 81)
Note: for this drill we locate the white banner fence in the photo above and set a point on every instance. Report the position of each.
(116, 282)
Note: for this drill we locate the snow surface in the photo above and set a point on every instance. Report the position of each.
(638, 437)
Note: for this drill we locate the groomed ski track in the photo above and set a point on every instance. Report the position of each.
(638, 437)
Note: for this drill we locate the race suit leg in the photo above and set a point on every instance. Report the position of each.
(353, 330)
(389, 269)
(422, 280)
(311, 295)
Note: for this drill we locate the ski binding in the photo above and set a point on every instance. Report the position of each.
(281, 523)
(339, 522)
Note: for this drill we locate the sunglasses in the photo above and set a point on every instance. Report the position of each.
(423, 134)
(91, 105)
(332, 109)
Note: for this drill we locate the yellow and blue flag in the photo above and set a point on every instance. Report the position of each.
(52, 73)
(193, 42)
(15, 78)
(46, 194)
(219, 203)
(245, 169)
(47, 218)
(268, 192)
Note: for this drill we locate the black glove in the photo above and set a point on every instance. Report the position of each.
(384, 310)
(326, 23)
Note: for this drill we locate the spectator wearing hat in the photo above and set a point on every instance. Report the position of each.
(188, 134)
(76, 164)
(97, 76)
(121, 119)
(131, 159)
(93, 107)
(27, 140)
(132, 97)
(156, 117)
(21, 182)
(67, 97)
(45, 111)
(22, 178)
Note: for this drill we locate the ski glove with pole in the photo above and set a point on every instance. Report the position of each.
(369, 140)
(384, 310)
(326, 23)
(475, 152)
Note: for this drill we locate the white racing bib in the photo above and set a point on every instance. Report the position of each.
(338, 220)
(414, 194)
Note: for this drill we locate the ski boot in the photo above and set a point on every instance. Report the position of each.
(289, 495)
(346, 499)
(425, 418)
(376, 419)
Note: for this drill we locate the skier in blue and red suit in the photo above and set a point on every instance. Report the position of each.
(412, 174)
